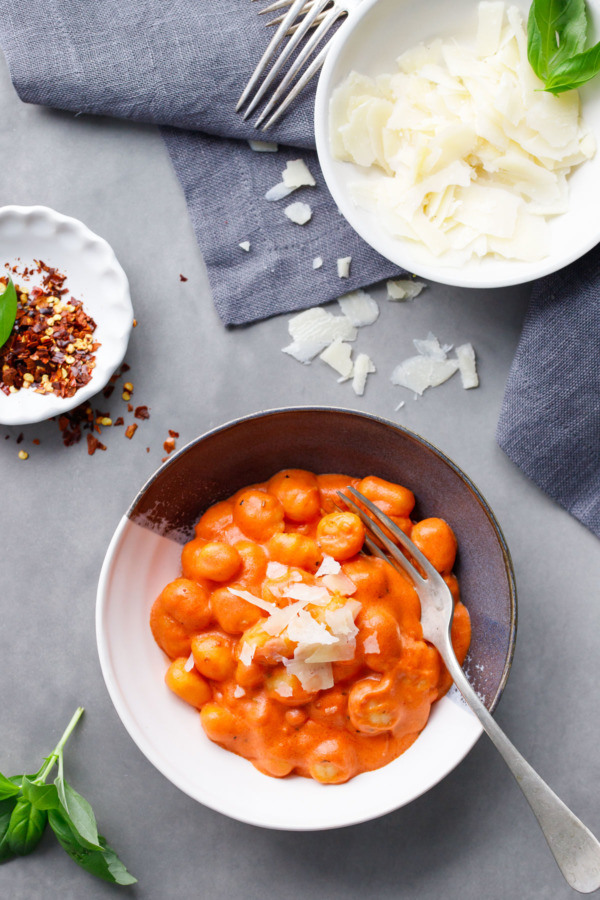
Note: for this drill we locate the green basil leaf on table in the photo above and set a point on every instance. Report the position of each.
(42, 796)
(26, 827)
(575, 72)
(8, 311)
(556, 30)
(79, 812)
(8, 788)
(6, 808)
(103, 862)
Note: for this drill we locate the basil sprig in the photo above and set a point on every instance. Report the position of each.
(556, 38)
(27, 804)
(8, 311)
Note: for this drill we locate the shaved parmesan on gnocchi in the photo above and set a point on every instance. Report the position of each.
(466, 153)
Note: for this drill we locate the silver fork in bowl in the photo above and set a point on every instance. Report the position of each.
(573, 846)
(302, 16)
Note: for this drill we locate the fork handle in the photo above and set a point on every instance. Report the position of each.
(573, 846)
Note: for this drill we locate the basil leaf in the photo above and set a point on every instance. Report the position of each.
(574, 72)
(103, 862)
(556, 31)
(7, 787)
(79, 812)
(6, 808)
(8, 311)
(26, 827)
(42, 796)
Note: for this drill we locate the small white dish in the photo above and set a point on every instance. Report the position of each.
(94, 276)
(374, 36)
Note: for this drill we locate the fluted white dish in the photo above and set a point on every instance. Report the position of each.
(94, 276)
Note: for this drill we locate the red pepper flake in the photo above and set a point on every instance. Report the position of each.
(135, 323)
(36, 441)
(130, 430)
(94, 444)
(125, 368)
(169, 445)
(174, 434)
(147, 449)
(50, 349)
(129, 407)
(108, 390)
(141, 412)
(20, 438)
(119, 421)
(182, 278)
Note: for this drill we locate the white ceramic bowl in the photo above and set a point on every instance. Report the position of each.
(376, 33)
(144, 555)
(93, 276)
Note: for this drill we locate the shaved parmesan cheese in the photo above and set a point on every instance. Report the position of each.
(371, 644)
(264, 146)
(189, 663)
(299, 213)
(466, 364)
(421, 372)
(466, 153)
(296, 174)
(257, 601)
(340, 584)
(239, 691)
(431, 347)
(400, 405)
(308, 593)
(359, 307)
(317, 262)
(362, 368)
(339, 356)
(245, 245)
(329, 566)
(318, 325)
(343, 266)
(246, 654)
(404, 289)
(303, 351)
(278, 192)
(311, 677)
(276, 569)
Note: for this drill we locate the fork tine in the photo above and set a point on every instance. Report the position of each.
(289, 48)
(279, 19)
(279, 4)
(310, 45)
(290, 16)
(397, 554)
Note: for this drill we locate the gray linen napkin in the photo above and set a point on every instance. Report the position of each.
(550, 418)
(184, 63)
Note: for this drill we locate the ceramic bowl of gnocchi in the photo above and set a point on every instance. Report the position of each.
(261, 659)
(444, 152)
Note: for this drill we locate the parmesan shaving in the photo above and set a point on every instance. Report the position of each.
(363, 367)
(317, 262)
(467, 154)
(264, 146)
(239, 691)
(296, 174)
(246, 654)
(299, 213)
(429, 369)
(189, 663)
(339, 356)
(343, 266)
(318, 325)
(404, 289)
(329, 566)
(339, 584)
(308, 593)
(304, 351)
(257, 601)
(371, 644)
(278, 192)
(276, 569)
(245, 245)
(466, 364)
(359, 307)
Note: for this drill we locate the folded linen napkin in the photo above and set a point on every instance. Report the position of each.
(184, 63)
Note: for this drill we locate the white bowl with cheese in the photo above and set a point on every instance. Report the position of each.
(370, 43)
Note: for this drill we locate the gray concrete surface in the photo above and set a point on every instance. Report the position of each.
(472, 837)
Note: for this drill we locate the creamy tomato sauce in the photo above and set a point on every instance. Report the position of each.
(301, 653)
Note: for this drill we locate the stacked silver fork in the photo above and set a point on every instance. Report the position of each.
(302, 16)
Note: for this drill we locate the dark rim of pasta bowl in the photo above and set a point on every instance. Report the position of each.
(248, 450)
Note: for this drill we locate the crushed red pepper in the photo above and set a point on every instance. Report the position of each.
(130, 430)
(51, 349)
(141, 412)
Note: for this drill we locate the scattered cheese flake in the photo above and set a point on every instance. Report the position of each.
(342, 651)
(421, 372)
(317, 262)
(362, 367)
(283, 689)
(404, 289)
(400, 405)
(371, 644)
(239, 691)
(189, 663)
(359, 307)
(278, 192)
(257, 601)
(246, 654)
(341, 620)
(276, 569)
(245, 245)
(312, 678)
(308, 593)
(430, 346)
(343, 266)
(303, 629)
(264, 146)
(339, 356)
(465, 355)
(340, 584)
(279, 621)
(329, 566)
(296, 174)
(318, 325)
(299, 213)
(303, 351)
